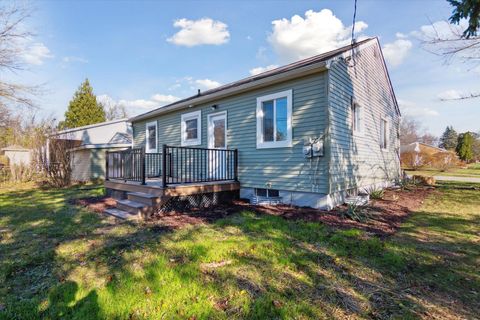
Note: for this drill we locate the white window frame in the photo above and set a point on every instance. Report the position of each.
(190, 116)
(359, 129)
(261, 144)
(148, 148)
(387, 134)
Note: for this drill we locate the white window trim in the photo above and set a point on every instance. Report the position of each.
(274, 144)
(147, 146)
(189, 116)
(360, 130)
(210, 127)
(387, 134)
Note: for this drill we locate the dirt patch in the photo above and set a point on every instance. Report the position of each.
(385, 216)
(96, 204)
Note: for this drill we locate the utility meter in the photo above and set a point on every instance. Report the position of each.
(307, 151)
(317, 148)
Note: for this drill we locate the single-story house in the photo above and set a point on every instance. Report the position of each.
(309, 133)
(17, 155)
(89, 145)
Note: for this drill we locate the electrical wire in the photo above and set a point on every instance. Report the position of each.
(352, 43)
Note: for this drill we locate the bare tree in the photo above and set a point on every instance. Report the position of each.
(13, 37)
(459, 40)
(412, 131)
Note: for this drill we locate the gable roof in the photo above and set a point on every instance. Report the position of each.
(299, 68)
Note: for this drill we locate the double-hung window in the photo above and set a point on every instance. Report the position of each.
(151, 137)
(274, 120)
(357, 118)
(384, 133)
(191, 129)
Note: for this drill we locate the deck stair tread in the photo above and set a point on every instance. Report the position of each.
(143, 195)
(133, 204)
(121, 214)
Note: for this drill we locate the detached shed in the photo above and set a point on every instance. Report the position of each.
(89, 146)
(17, 155)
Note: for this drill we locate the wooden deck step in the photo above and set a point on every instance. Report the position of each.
(124, 215)
(133, 207)
(145, 198)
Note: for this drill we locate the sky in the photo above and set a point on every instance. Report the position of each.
(147, 54)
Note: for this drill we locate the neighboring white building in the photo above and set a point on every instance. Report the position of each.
(17, 155)
(92, 141)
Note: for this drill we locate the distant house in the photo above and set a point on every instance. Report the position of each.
(89, 145)
(418, 154)
(17, 155)
(309, 133)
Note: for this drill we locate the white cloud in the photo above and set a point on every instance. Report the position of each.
(401, 35)
(450, 95)
(441, 29)
(155, 101)
(207, 83)
(164, 98)
(70, 59)
(258, 70)
(410, 108)
(317, 32)
(199, 32)
(36, 53)
(395, 52)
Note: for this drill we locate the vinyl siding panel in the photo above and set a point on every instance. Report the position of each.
(358, 160)
(283, 168)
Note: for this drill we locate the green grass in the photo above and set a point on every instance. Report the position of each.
(473, 170)
(60, 261)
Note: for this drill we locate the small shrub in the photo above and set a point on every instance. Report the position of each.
(355, 212)
(376, 194)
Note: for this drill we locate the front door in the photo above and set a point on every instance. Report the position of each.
(217, 139)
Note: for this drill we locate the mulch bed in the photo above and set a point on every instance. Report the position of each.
(385, 216)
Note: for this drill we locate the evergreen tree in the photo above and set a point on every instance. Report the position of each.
(465, 146)
(449, 139)
(83, 109)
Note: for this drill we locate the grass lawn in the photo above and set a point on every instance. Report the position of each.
(473, 170)
(61, 261)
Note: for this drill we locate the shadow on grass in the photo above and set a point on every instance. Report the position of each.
(59, 261)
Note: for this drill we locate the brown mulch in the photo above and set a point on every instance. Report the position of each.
(96, 204)
(385, 216)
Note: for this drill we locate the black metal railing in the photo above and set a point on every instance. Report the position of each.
(174, 165)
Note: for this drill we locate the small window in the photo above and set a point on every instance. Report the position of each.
(384, 133)
(151, 137)
(191, 129)
(357, 121)
(274, 120)
(267, 193)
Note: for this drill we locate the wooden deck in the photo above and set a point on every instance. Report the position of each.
(154, 187)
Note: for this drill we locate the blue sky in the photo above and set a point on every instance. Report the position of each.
(146, 54)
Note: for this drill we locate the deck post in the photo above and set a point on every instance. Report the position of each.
(106, 165)
(164, 166)
(235, 164)
(142, 164)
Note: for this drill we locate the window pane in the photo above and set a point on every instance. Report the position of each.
(219, 133)
(281, 119)
(267, 108)
(385, 142)
(152, 137)
(261, 192)
(191, 128)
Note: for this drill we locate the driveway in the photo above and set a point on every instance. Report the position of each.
(460, 179)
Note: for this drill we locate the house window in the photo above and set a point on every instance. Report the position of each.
(191, 128)
(267, 193)
(151, 137)
(384, 133)
(274, 120)
(357, 121)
